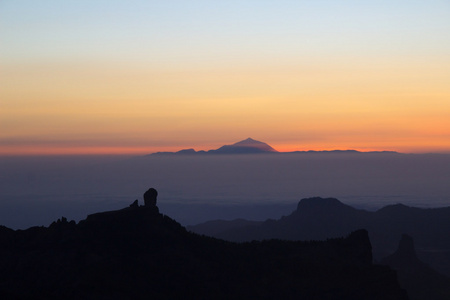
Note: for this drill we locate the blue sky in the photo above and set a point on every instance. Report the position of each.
(221, 30)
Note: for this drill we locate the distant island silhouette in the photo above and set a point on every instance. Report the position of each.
(139, 253)
(251, 146)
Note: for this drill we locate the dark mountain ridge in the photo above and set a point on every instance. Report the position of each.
(138, 253)
(319, 218)
(316, 218)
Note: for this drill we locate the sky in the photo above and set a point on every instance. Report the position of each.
(135, 77)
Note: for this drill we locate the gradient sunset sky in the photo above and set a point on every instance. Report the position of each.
(80, 77)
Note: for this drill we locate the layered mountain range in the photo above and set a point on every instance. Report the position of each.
(138, 253)
(320, 218)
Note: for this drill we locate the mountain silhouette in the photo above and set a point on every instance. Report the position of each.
(244, 147)
(421, 281)
(319, 218)
(139, 253)
(247, 146)
(251, 146)
(315, 219)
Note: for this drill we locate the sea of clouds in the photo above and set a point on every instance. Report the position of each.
(35, 191)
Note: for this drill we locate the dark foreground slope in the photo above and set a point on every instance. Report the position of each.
(137, 253)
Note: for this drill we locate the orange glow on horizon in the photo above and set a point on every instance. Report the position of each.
(137, 151)
(323, 108)
(48, 151)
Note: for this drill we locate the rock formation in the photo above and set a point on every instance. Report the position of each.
(420, 281)
(150, 197)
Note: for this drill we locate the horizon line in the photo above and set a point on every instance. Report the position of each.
(144, 151)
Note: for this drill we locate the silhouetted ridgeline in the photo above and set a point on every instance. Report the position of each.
(248, 146)
(321, 218)
(138, 253)
(251, 146)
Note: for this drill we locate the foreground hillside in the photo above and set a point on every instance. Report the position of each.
(138, 253)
